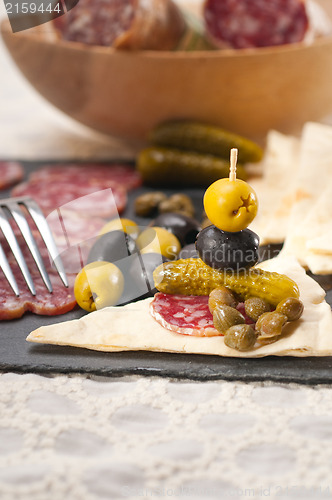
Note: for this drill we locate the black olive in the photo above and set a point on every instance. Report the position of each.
(112, 247)
(142, 274)
(222, 250)
(183, 227)
(188, 252)
(134, 289)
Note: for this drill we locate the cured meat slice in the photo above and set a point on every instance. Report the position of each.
(255, 23)
(60, 301)
(94, 173)
(186, 314)
(126, 24)
(52, 194)
(11, 172)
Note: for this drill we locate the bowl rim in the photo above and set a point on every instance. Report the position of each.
(40, 34)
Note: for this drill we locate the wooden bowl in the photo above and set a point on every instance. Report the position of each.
(125, 94)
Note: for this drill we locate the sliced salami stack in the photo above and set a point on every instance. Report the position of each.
(124, 24)
(241, 24)
(60, 301)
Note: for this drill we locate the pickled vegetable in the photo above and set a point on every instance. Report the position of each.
(270, 324)
(203, 138)
(171, 167)
(240, 337)
(255, 307)
(291, 307)
(193, 277)
(225, 316)
(221, 296)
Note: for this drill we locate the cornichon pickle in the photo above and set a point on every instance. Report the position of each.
(171, 167)
(203, 138)
(193, 277)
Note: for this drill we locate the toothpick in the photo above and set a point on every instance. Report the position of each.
(232, 169)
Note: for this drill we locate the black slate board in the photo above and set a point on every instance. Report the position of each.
(19, 356)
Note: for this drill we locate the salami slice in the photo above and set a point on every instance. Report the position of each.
(52, 194)
(255, 23)
(60, 301)
(94, 173)
(127, 24)
(185, 314)
(11, 172)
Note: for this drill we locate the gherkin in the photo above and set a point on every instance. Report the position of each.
(203, 138)
(172, 167)
(194, 277)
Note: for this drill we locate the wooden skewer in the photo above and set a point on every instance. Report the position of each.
(232, 169)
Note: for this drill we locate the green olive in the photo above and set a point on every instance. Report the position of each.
(255, 307)
(291, 307)
(221, 296)
(240, 337)
(159, 240)
(128, 226)
(97, 285)
(230, 205)
(270, 324)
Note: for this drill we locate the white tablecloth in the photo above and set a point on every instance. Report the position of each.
(89, 438)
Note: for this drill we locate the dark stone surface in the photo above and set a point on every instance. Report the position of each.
(20, 356)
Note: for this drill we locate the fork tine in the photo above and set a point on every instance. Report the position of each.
(43, 227)
(4, 265)
(14, 246)
(28, 236)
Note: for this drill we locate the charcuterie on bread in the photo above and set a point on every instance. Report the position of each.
(132, 328)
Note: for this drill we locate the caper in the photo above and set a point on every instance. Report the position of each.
(179, 203)
(255, 307)
(291, 307)
(148, 203)
(221, 296)
(225, 316)
(270, 324)
(240, 337)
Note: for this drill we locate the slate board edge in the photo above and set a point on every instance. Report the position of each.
(309, 380)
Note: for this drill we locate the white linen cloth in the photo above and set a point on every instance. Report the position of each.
(90, 438)
(93, 438)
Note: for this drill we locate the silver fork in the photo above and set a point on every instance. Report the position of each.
(13, 207)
